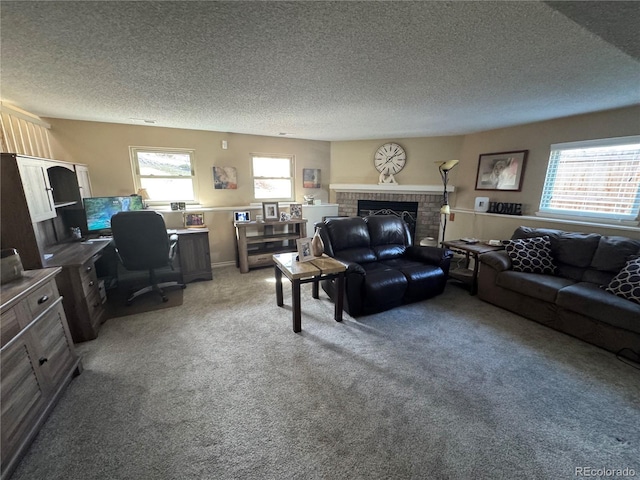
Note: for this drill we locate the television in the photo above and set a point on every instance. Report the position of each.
(99, 210)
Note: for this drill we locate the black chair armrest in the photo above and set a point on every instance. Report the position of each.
(432, 255)
(352, 267)
(173, 248)
(499, 260)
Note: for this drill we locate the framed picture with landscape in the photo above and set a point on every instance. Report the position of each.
(501, 170)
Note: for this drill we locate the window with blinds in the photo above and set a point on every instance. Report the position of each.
(595, 178)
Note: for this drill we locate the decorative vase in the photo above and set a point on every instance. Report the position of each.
(317, 245)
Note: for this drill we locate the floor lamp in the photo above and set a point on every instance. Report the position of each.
(445, 168)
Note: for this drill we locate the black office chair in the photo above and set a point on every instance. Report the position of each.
(142, 243)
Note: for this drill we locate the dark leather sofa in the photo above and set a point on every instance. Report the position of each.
(384, 269)
(571, 300)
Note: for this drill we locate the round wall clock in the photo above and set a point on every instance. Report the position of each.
(389, 159)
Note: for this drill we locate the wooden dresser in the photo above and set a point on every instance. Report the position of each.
(37, 356)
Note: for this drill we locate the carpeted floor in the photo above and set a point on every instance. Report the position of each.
(450, 388)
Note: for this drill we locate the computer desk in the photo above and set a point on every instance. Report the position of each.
(85, 264)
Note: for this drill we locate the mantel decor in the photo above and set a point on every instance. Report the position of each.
(501, 170)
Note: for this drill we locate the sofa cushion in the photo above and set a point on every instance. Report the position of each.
(384, 287)
(357, 255)
(348, 232)
(591, 301)
(386, 230)
(542, 287)
(531, 255)
(613, 252)
(626, 284)
(573, 249)
(421, 278)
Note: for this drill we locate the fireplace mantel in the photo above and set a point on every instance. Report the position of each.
(389, 188)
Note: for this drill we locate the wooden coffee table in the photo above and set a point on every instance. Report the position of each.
(320, 268)
(466, 275)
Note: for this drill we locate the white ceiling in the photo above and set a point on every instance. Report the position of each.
(320, 70)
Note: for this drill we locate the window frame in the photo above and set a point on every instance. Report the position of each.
(585, 216)
(291, 178)
(135, 168)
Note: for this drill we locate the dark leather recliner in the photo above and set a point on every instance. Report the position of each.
(384, 269)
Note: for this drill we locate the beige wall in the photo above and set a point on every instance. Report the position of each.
(352, 162)
(104, 147)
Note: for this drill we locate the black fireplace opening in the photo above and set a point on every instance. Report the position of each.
(407, 211)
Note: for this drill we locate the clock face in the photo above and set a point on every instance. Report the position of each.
(390, 158)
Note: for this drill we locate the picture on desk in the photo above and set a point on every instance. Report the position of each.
(242, 216)
(304, 249)
(194, 220)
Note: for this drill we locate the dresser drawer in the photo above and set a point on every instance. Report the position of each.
(10, 325)
(260, 260)
(41, 299)
(96, 309)
(88, 279)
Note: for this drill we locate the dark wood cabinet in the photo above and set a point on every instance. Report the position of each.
(194, 254)
(38, 359)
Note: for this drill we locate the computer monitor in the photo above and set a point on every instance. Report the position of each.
(99, 210)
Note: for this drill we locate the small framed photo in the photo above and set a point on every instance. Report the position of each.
(270, 211)
(501, 171)
(284, 217)
(242, 216)
(304, 249)
(295, 209)
(194, 220)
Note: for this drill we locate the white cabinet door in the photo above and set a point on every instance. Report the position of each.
(37, 189)
(82, 172)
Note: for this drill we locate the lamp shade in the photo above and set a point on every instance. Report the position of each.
(448, 165)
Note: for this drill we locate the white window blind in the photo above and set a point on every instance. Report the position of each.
(595, 178)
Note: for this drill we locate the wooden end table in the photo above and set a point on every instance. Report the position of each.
(313, 271)
(466, 275)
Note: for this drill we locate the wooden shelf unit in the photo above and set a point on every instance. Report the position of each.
(268, 238)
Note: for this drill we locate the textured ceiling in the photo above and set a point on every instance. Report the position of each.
(320, 70)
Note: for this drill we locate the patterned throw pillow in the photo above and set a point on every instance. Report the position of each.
(626, 283)
(531, 255)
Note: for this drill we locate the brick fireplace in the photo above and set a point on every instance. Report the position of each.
(429, 201)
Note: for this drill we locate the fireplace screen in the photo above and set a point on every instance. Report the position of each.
(407, 211)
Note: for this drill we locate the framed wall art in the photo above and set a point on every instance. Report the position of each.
(270, 211)
(225, 178)
(311, 177)
(501, 170)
